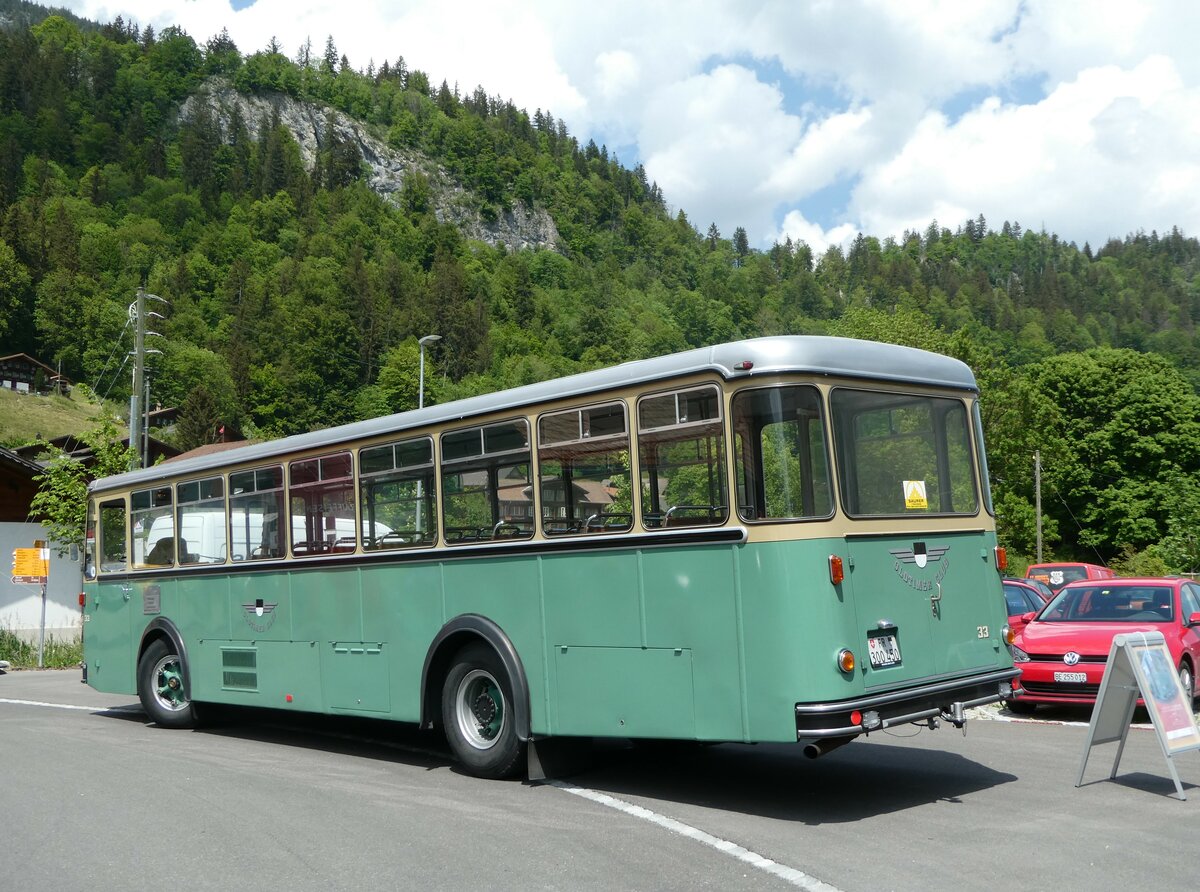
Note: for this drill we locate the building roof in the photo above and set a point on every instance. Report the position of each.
(19, 464)
(51, 373)
(77, 449)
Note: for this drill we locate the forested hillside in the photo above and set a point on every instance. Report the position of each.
(296, 292)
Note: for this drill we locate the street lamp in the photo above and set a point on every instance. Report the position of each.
(428, 339)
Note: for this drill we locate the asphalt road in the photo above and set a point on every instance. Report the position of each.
(94, 798)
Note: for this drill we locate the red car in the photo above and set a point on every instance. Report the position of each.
(1062, 652)
(1021, 599)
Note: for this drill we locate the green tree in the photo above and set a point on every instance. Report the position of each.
(199, 421)
(1131, 425)
(60, 503)
(15, 298)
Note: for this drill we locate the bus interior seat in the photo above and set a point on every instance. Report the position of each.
(163, 552)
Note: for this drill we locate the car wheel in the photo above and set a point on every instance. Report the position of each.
(161, 688)
(1021, 707)
(1188, 682)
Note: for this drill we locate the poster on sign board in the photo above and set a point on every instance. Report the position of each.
(1164, 696)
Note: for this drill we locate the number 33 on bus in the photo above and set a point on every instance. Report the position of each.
(779, 539)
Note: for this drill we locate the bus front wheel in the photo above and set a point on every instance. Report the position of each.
(477, 713)
(161, 687)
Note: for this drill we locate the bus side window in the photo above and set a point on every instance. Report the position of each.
(681, 447)
(153, 527)
(583, 471)
(255, 509)
(397, 495)
(486, 490)
(322, 494)
(782, 462)
(200, 515)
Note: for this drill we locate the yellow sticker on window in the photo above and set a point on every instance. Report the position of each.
(914, 494)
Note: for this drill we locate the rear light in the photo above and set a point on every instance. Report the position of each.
(744, 366)
(1009, 634)
(836, 571)
(845, 660)
(1001, 558)
(82, 600)
(856, 718)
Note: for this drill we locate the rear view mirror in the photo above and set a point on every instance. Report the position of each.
(1194, 619)
(1028, 617)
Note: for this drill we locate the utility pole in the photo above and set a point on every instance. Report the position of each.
(138, 315)
(1037, 498)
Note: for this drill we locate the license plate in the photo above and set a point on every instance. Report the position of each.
(1073, 677)
(883, 650)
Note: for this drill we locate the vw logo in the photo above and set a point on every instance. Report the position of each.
(1070, 658)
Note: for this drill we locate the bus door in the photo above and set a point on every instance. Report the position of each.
(928, 604)
(107, 610)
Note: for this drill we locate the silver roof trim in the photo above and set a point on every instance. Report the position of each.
(836, 357)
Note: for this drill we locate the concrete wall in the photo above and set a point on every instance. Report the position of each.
(21, 605)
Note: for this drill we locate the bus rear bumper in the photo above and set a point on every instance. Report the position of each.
(947, 699)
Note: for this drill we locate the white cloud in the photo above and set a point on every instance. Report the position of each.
(798, 229)
(710, 141)
(745, 110)
(1103, 155)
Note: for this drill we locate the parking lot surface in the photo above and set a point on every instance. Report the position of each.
(93, 797)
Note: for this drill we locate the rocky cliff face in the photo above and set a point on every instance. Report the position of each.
(522, 227)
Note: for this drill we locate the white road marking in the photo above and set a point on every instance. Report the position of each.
(69, 706)
(797, 878)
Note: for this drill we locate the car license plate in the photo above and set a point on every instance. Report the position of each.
(1073, 677)
(883, 650)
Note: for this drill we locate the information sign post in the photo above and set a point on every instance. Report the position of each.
(31, 566)
(1139, 664)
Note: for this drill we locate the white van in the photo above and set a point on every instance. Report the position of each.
(203, 540)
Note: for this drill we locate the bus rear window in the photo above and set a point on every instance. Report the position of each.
(902, 454)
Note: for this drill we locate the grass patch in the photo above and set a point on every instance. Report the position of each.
(24, 417)
(56, 654)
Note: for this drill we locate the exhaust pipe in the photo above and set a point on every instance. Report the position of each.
(817, 748)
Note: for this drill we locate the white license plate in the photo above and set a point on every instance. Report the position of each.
(883, 650)
(1074, 677)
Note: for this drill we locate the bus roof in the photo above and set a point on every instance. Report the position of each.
(839, 357)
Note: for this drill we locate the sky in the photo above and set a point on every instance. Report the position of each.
(812, 119)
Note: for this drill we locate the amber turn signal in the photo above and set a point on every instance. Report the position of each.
(845, 660)
(1001, 558)
(836, 571)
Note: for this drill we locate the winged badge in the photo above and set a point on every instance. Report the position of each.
(259, 608)
(920, 554)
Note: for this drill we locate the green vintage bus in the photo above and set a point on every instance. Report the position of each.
(778, 539)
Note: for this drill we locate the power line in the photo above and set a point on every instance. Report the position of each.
(116, 347)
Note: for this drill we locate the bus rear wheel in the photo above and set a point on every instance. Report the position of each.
(161, 687)
(477, 713)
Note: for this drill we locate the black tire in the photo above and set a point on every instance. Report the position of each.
(1188, 679)
(477, 714)
(162, 689)
(1021, 707)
